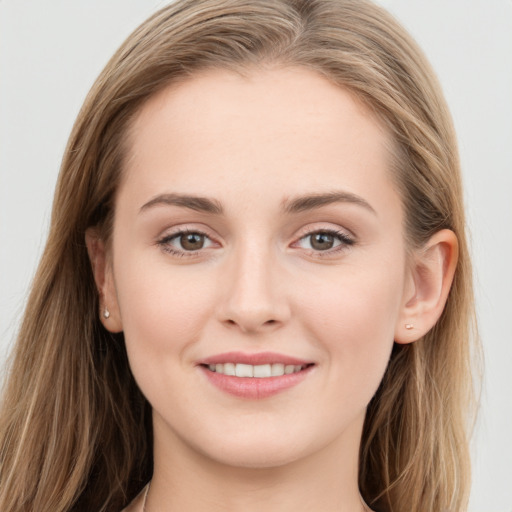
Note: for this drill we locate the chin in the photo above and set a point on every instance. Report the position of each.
(261, 449)
(254, 457)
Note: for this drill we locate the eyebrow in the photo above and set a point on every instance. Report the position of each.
(310, 202)
(200, 204)
(296, 205)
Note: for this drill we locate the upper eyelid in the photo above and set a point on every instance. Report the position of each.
(179, 230)
(335, 229)
(343, 237)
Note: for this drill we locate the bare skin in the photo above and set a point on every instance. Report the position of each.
(259, 268)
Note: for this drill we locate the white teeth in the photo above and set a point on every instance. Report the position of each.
(277, 370)
(244, 370)
(229, 369)
(289, 368)
(260, 371)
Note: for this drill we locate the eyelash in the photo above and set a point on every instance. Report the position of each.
(164, 243)
(346, 241)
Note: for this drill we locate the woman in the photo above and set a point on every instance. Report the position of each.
(256, 292)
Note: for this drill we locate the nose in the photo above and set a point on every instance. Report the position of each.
(253, 291)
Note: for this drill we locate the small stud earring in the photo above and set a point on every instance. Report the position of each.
(409, 326)
(106, 313)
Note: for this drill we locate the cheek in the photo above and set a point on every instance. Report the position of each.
(163, 311)
(353, 320)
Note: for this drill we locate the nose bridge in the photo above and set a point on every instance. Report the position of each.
(253, 297)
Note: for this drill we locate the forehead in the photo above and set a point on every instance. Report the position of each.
(288, 128)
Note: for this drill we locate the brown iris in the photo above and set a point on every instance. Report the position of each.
(192, 241)
(322, 241)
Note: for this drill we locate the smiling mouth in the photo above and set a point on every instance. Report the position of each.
(261, 371)
(255, 376)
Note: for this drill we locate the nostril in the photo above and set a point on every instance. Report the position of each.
(252, 321)
(267, 322)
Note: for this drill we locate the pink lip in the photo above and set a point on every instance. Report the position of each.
(254, 359)
(252, 387)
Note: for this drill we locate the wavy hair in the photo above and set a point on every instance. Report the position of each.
(75, 430)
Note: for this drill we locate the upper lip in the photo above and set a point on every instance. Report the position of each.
(253, 359)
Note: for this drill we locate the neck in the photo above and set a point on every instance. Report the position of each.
(185, 480)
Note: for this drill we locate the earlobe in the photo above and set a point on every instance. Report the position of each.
(104, 279)
(428, 284)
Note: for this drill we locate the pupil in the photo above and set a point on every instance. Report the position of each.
(322, 241)
(192, 241)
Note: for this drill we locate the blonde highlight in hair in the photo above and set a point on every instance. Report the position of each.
(75, 430)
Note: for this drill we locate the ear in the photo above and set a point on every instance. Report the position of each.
(428, 283)
(104, 278)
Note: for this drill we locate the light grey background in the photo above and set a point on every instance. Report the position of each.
(51, 51)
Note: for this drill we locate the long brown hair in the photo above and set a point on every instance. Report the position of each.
(75, 430)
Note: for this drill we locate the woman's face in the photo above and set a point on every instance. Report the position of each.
(257, 228)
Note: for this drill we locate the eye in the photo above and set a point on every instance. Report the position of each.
(321, 241)
(191, 241)
(325, 240)
(184, 242)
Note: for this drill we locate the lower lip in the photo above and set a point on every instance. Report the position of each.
(253, 387)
